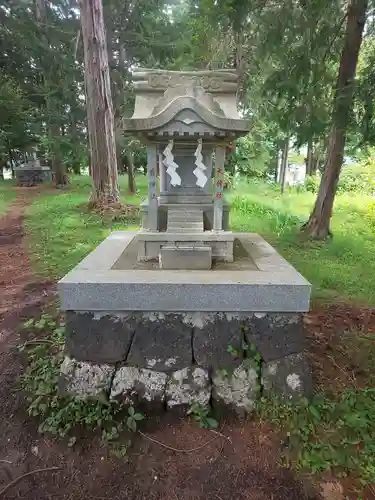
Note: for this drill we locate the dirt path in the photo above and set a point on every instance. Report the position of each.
(20, 292)
(242, 466)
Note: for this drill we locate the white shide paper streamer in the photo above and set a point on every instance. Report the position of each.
(199, 171)
(171, 165)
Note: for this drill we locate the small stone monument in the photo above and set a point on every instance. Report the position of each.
(184, 311)
(32, 173)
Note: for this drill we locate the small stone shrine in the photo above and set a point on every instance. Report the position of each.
(32, 173)
(184, 311)
(186, 119)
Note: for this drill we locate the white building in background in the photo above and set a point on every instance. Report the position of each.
(295, 175)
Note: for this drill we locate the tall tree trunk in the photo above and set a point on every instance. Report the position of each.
(316, 156)
(121, 167)
(131, 178)
(310, 157)
(274, 162)
(318, 226)
(58, 166)
(54, 132)
(284, 164)
(100, 119)
(75, 165)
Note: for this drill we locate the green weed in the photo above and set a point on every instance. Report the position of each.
(7, 195)
(133, 418)
(341, 268)
(201, 415)
(336, 434)
(62, 415)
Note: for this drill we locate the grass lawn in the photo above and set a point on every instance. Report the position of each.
(61, 233)
(342, 268)
(7, 195)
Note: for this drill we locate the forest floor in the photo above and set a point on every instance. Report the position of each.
(242, 462)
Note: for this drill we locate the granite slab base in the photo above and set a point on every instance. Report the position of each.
(169, 339)
(111, 279)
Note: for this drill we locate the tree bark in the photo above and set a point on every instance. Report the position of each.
(121, 167)
(131, 178)
(310, 157)
(53, 126)
(318, 226)
(284, 164)
(100, 119)
(58, 166)
(75, 165)
(274, 163)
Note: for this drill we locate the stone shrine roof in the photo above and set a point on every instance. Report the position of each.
(186, 103)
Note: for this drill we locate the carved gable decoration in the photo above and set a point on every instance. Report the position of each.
(186, 103)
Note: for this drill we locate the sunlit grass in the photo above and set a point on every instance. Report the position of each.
(61, 232)
(341, 268)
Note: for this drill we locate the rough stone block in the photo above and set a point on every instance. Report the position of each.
(289, 377)
(185, 257)
(161, 343)
(186, 387)
(98, 338)
(132, 385)
(85, 379)
(275, 335)
(238, 390)
(213, 333)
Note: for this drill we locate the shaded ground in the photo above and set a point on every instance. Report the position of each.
(239, 464)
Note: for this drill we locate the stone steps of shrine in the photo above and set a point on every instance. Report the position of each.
(185, 220)
(188, 214)
(185, 228)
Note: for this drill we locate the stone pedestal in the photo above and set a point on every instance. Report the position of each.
(150, 244)
(32, 174)
(185, 336)
(185, 256)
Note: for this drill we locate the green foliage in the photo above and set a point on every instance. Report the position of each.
(250, 158)
(355, 177)
(328, 433)
(121, 451)
(341, 268)
(62, 231)
(233, 351)
(133, 418)
(370, 215)
(62, 415)
(362, 130)
(277, 221)
(312, 183)
(201, 415)
(252, 355)
(15, 117)
(358, 177)
(7, 195)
